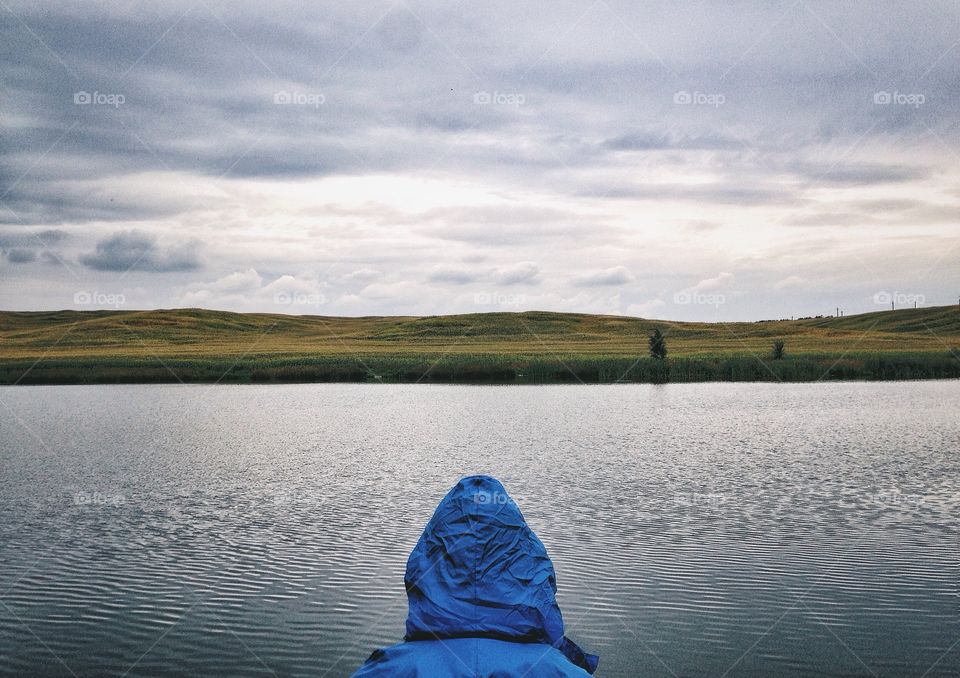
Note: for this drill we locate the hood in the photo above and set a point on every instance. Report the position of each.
(480, 571)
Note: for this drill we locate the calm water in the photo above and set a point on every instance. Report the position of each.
(697, 530)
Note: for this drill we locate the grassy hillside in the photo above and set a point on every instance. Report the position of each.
(81, 346)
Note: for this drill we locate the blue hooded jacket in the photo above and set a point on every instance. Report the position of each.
(482, 596)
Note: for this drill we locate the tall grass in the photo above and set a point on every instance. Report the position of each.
(480, 368)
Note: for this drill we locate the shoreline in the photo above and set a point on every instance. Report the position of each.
(481, 369)
(528, 347)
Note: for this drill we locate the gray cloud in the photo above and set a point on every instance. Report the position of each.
(203, 110)
(133, 250)
(727, 194)
(859, 174)
(456, 276)
(523, 272)
(600, 154)
(31, 237)
(21, 256)
(24, 246)
(659, 141)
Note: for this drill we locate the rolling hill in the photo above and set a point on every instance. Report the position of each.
(127, 343)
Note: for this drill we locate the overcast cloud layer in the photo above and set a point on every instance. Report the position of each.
(675, 160)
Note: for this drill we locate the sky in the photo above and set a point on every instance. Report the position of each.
(677, 160)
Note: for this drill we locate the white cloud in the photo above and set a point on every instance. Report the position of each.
(246, 291)
(790, 283)
(617, 275)
(719, 282)
(363, 275)
(647, 309)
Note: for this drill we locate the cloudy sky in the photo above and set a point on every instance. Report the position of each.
(677, 160)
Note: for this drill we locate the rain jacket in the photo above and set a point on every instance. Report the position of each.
(481, 594)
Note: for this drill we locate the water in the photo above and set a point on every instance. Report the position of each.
(697, 530)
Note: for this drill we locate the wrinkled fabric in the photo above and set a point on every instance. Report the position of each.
(481, 592)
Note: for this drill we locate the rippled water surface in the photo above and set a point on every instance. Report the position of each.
(697, 530)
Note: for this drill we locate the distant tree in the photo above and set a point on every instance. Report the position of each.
(778, 347)
(658, 345)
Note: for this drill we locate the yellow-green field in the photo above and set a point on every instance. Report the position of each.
(145, 345)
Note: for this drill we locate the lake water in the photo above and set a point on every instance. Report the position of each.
(697, 530)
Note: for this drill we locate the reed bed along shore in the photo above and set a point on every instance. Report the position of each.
(484, 369)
